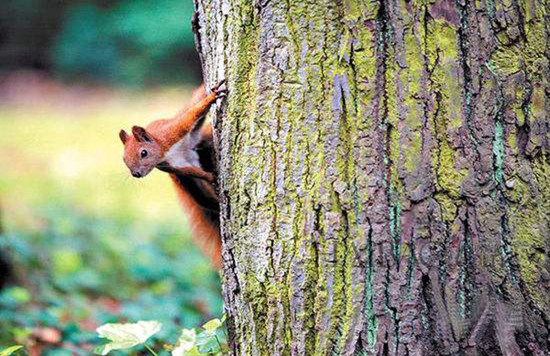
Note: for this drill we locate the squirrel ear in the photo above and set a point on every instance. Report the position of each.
(141, 134)
(123, 136)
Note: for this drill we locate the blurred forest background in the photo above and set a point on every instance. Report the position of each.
(125, 42)
(82, 243)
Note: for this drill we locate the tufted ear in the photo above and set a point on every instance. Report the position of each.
(141, 134)
(123, 136)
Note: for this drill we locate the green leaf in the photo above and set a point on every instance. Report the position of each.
(124, 336)
(191, 352)
(187, 338)
(10, 350)
(212, 325)
(99, 349)
(207, 343)
(186, 343)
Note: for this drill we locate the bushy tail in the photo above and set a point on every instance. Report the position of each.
(204, 222)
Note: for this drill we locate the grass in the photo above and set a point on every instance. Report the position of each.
(90, 243)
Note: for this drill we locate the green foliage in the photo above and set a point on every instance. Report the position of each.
(124, 336)
(209, 341)
(132, 42)
(82, 276)
(10, 350)
(111, 41)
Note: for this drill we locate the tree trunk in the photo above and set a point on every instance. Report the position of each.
(384, 174)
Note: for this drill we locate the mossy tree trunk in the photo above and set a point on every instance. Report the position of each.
(384, 174)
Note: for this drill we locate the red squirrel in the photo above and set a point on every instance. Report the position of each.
(182, 146)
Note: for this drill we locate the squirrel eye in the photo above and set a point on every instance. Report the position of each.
(143, 153)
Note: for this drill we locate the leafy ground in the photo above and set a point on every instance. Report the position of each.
(90, 244)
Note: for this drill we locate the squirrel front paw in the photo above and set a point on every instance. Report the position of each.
(220, 90)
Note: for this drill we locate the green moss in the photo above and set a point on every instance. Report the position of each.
(392, 117)
(414, 74)
(517, 105)
(450, 178)
(529, 223)
(512, 142)
(443, 50)
(507, 60)
(527, 247)
(448, 206)
(254, 292)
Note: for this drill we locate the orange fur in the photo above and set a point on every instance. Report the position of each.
(169, 131)
(205, 233)
(196, 194)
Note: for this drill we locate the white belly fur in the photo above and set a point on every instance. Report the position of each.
(183, 154)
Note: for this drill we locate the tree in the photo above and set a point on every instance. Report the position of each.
(384, 175)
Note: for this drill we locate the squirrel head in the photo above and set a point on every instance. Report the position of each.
(142, 152)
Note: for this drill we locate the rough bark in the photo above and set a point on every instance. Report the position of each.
(384, 174)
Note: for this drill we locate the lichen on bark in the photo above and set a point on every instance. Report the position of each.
(384, 174)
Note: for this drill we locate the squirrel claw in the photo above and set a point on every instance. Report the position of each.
(217, 89)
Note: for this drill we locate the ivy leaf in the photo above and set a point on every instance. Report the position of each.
(124, 336)
(10, 350)
(212, 325)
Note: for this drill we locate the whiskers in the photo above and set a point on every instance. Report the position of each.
(121, 179)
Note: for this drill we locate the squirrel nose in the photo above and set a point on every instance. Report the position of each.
(136, 174)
